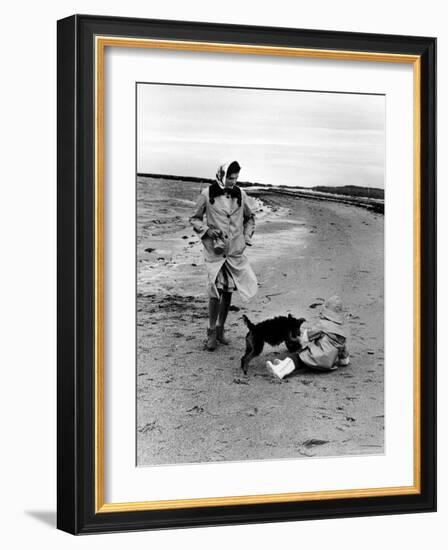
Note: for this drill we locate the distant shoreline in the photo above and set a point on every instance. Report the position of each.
(370, 198)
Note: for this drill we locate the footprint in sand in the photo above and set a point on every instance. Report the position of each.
(314, 442)
(241, 381)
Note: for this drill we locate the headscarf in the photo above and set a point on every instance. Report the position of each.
(221, 174)
(217, 188)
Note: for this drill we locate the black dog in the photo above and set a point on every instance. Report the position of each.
(272, 331)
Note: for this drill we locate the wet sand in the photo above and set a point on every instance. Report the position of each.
(197, 406)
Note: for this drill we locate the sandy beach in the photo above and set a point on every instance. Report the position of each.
(197, 406)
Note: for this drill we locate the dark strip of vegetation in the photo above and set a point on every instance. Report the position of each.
(351, 190)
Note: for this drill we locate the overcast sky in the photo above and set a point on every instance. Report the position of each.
(278, 137)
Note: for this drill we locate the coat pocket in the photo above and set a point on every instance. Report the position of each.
(239, 246)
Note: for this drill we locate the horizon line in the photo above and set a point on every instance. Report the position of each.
(207, 179)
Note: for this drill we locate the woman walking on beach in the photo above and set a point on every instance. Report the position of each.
(227, 231)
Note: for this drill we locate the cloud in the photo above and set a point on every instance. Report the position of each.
(275, 135)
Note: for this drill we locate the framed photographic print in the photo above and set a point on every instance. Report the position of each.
(246, 274)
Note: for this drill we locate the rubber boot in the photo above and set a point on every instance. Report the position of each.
(220, 335)
(211, 339)
(281, 369)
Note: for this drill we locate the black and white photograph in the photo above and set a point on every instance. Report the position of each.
(260, 274)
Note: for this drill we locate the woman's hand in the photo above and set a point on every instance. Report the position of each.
(213, 233)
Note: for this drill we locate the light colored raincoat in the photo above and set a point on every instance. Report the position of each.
(326, 344)
(237, 224)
